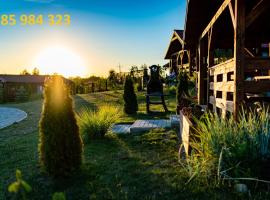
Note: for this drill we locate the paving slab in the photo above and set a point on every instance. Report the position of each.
(121, 128)
(175, 120)
(9, 116)
(146, 125)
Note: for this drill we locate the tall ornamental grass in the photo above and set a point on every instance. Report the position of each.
(95, 124)
(226, 149)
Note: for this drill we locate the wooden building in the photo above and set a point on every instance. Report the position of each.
(177, 56)
(12, 86)
(229, 42)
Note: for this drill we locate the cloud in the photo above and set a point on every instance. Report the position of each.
(40, 1)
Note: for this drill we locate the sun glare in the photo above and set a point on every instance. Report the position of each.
(60, 60)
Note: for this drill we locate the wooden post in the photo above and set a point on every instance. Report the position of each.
(210, 61)
(201, 75)
(189, 63)
(239, 45)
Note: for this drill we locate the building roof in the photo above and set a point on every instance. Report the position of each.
(200, 13)
(176, 43)
(23, 78)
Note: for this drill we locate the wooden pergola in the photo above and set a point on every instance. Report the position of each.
(241, 29)
(177, 56)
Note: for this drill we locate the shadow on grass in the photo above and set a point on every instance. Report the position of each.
(121, 172)
(82, 103)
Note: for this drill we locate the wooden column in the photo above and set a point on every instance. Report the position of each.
(201, 74)
(239, 45)
(210, 60)
(189, 62)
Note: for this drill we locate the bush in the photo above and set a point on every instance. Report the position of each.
(96, 124)
(224, 148)
(172, 90)
(130, 98)
(60, 144)
(182, 86)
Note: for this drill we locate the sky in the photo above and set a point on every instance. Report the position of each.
(103, 34)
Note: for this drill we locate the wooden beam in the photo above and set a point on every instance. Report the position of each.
(216, 16)
(239, 45)
(249, 52)
(253, 64)
(232, 15)
(201, 73)
(222, 68)
(256, 11)
(257, 86)
(222, 86)
(222, 104)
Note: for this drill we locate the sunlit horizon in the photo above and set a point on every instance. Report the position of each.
(60, 60)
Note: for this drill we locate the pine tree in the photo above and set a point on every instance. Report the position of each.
(130, 98)
(60, 144)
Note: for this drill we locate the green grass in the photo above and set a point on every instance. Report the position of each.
(141, 166)
(115, 97)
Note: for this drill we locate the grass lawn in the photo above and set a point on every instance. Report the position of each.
(141, 166)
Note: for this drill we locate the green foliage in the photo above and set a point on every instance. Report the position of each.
(224, 148)
(19, 187)
(60, 144)
(172, 90)
(35, 71)
(59, 196)
(96, 124)
(182, 86)
(130, 98)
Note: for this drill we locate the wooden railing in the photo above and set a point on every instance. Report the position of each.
(258, 84)
(221, 87)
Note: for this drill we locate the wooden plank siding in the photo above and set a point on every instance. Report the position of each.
(225, 72)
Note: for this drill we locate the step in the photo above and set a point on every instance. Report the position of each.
(175, 120)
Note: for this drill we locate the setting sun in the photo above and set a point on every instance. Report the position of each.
(60, 60)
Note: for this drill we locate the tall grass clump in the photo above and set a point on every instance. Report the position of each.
(226, 149)
(60, 144)
(95, 124)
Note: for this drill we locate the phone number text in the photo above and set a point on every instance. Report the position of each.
(30, 20)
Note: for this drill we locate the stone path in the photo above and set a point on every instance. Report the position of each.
(9, 116)
(175, 120)
(141, 126)
(121, 128)
(146, 125)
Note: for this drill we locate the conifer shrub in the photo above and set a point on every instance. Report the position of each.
(130, 98)
(60, 144)
(182, 86)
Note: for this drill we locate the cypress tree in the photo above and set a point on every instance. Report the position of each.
(182, 86)
(60, 144)
(130, 98)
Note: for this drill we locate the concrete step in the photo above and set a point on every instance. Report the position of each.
(146, 125)
(175, 120)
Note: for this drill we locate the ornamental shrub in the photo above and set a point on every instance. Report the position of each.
(95, 124)
(182, 86)
(60, 144)
(130, 98)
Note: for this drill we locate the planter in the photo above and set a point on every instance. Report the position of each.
(186, 131)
